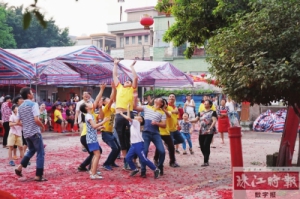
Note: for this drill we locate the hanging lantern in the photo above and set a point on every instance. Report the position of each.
(203, 75)
(146, 21)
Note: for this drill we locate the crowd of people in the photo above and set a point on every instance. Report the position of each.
(127, 125)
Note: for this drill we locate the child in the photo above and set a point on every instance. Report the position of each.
(185, 131)
(91, 138)
(137, 144)
(59, 119)
(15, 135)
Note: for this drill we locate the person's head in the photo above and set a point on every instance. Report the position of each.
(58, 106)
(7, 98)
(223, 102)
(42, 107)
(26, 93)
(14, 109)
(18, 100)
(185, 116)
(71, 107)
(208, 104)
(105, 100)
(188, 97)
(171, 98)
(205, 97)
(165, 103)
(86, 107)
(140, 119)
(159, 102)
(48, 100)
(128, 83)
(229, 99)
(179, 106)
(86, 96)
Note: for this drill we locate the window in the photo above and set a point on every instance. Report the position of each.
(127, 40)
(181, 49)
(133, 40)
(140, 39)
(121, 42)
(146, 39)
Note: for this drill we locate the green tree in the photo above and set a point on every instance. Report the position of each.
(6, 36)
(198, 20)
(36, 35)
(257, 58)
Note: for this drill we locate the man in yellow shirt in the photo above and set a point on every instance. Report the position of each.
(107, 133)
(202, 108)
(125, 96)
(172, 123)
(166, 137)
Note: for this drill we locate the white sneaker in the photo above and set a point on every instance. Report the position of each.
(96, 177)
(97, 173)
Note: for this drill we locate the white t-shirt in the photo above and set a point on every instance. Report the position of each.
(190, 109)
(230, 106)
(16, 130)
(135, 132)
(78, 109)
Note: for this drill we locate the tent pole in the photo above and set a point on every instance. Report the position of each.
(14, 90)
(36, 92)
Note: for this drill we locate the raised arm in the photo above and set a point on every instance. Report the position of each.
(135, 106)
(99, 96)
(112, 95)
(127, 117)
(115, 72)
(135, 77)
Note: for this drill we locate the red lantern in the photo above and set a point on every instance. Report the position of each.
(203, 75)
(146, 21)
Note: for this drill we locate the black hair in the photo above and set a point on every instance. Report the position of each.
(172, 94)
(24, 92)
(186, 113)
(82, 108)
(143, 121)
(165, 101)
(210, 103)
(13, 107)
(16, 99)
(58, 104)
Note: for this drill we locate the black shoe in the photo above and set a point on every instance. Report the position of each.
(156, 173)
(143, 175)
(82, 169)
(133, 173)
(161, 170)
(205, 164)
(174, 165)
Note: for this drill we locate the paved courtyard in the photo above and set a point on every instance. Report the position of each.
(190, 180)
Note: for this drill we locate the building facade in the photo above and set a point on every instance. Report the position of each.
(132, 41)
(103, 41)
(163, 51)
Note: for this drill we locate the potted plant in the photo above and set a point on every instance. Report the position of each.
(164, 6)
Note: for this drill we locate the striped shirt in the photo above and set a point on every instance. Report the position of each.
(27, 112)
(152, 114)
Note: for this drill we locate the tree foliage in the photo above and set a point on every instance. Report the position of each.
(6, 38)
(36, 35)
(257, 58)
(198, 20)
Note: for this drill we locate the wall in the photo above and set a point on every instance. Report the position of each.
(65, 93)
(136, 16)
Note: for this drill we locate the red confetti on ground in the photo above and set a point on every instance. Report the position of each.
(64, 181)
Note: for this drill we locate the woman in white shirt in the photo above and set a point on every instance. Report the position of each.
(189, 108)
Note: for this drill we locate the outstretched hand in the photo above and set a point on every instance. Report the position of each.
(133, 63)
(102, 86)
(116, 61)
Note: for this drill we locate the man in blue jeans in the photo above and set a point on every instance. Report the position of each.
(107, 135)
(154, 118)
(172, 123)
(29, 116)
